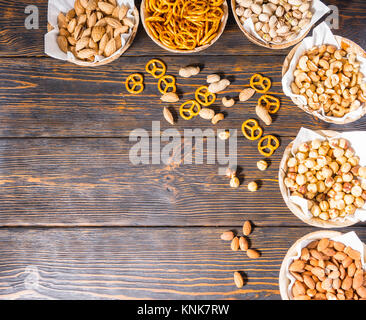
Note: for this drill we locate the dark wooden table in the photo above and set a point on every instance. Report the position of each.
(78, 220)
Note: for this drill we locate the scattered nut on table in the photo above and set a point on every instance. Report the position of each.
(189, 71)
(228, 103)
(252, 186)
(262, 165)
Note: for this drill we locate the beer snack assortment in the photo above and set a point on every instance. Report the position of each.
(327, 173)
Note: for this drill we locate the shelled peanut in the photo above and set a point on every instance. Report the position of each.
(330, 79)
(276, 21)
(326, 174)
(328, 270)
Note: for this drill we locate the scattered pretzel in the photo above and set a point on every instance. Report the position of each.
(156, 68)
(271, 103)
(135, 83)
(269, 148)
(190, 107)
(204, 96)
(167, 84)
(255, 131)
(259, 83)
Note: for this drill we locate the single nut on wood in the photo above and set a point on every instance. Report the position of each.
(211, 78)
(206, 113)
(247, 228)
(227, 236)
(234, 182)
(189, 71)
(218, 86)
(243, 244)
(263, 114)
(235, 244)
(224, 135)
(168, 115)
(253, 254)
(228, 103)
(218, 117)
(262, 165)
(252, 186)
(238, 279)
(246, 94)
(169, 97)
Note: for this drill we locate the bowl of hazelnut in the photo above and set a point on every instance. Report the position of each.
(322, 182)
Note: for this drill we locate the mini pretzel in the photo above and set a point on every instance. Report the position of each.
(189, 107)
(167, 84)
(259, 83)
(156, 68)
(205, 97)
(270, 147)
(255, 131)
(270, 102)
(135, 83)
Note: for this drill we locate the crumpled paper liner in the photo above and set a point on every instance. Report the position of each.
(349, 239)
(318, 8)
(357, 140)
(50, 39)
(321, 35)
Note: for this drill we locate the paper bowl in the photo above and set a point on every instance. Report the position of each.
(359, 51)
(294, 208)
(284, 281)
(258, 42)
(144, 14)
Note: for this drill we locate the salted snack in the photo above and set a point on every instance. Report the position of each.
(330, 80)
(276, 21)
(259, 83)
(166, 84)
(93, 28)
(135, 83)
(271, 103)
(184, 24)
(328, 270)
(267, 145)
(326, 174)
(204, 96)
(189, 109)
(251, 129)
(156, 68)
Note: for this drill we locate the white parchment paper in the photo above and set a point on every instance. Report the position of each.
(51, 47)
(318, 9)
(321, 35)
(357, 140)
(349, 239)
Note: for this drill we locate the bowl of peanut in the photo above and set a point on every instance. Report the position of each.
(328, 82)
(322, 180)
(324, 265)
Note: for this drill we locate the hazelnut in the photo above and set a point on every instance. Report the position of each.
(300, 179)
(234, 182)
(324, 205)
(312, 187)
(252, 186)
(302, 168)
(349, 199)
(315, 210)
(350, 209)
(346, 167)
(359, 202)
(356, 191)
(315, 144)
(292, 162)
(362, 172)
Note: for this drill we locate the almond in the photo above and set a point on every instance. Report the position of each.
(361, 291)
(119, 31)
(339, 246)
(298, 289)
(92, 5)
(82, 43)
(357, 279)
(102, 43)
(227, 236)
(243, 244)
(319, 272)
(206, 113)
(128, 22)
(62, 21)
(297, 266)
(97, 33)
(92, 20)
(110, 48)
(340, 256)
(101, 23)
(246, 94)
(297, 276)
(106, 7)
(86, 53)
(354, 254)
(235, 244)
(323, 244)
(168, 115)
(347, 262)
(253, 254)
(247, 228)
(169, 97)
(113, 22)
(309, 281)
(70, 14)
(346, 283)
(62, 43)
(122, 12)
(79, 9)
(71, 26)
(305, 254)
(238, 279)
(313, 244)
(115, 13)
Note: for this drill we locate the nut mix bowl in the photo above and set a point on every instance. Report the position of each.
(331, 190)
(266, 18)
(339, 101)
(325, 269)
(179, 42)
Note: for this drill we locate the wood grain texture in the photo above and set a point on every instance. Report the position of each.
(45, 98)
(143, 263)
(92, 182)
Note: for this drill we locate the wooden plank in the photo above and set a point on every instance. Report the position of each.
(140, 263)
(46, 98)
(91, 182)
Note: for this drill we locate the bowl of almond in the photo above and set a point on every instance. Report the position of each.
(90, 32)
(322, 180)
(328, 82)
(324, 265)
